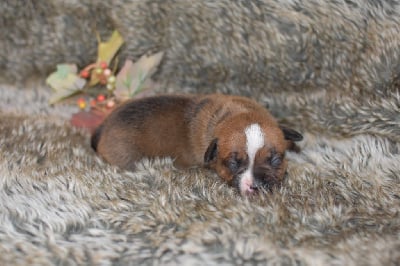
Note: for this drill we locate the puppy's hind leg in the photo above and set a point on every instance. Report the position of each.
(123, 155)
(116, 148)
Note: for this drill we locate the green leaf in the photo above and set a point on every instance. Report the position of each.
(133, 78)
(63, 70)
(64, 82)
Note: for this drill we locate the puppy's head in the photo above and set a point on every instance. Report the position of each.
(251, 157)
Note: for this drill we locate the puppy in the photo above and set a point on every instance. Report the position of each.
(232, 135)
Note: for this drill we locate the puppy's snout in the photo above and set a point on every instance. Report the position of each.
(263, 185)
(251, 187)
(254, 187)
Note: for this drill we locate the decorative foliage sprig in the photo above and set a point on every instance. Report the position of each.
(100, 86)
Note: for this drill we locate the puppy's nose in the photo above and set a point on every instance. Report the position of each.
(254, 187)
(252, 190)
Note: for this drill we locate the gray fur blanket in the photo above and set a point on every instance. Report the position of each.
(330, 69)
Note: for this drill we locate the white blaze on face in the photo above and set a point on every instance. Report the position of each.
(254, 141)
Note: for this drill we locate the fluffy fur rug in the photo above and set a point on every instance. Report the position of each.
(60, 204)
(336, 80)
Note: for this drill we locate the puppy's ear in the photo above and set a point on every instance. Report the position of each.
(211, 154)
(291, 134)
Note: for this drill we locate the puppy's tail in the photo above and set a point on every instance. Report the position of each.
(94, 141)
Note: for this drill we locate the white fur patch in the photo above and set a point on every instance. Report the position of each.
(254, 141)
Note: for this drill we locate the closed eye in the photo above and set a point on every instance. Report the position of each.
(236, 166)
(275, 160)
(233, 165)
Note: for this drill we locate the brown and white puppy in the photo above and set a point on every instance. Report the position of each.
(233, 135)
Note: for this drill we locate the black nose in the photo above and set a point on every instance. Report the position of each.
(262, 185)
(256, 185)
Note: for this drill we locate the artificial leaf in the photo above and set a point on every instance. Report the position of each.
(133, 78)
(88, 120)
(106, 52)
(65, 82)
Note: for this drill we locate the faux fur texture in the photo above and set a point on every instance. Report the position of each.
(328, 68)
(60, 204)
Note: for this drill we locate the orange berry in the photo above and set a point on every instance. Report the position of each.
(81, 103)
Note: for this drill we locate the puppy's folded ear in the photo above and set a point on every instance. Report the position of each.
(291, 134)
(211, 153)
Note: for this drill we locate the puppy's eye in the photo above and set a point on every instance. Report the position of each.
(233, 165)
(276, 161)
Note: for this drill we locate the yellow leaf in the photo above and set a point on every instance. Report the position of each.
(106, 52)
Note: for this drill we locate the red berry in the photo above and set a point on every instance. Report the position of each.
(85, 74)
(103, 65)
(101, 97)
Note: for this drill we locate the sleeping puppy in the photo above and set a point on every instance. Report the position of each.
(232, 135)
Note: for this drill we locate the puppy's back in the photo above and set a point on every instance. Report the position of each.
(147, 127)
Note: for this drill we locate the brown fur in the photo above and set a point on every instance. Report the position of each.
(184, 127)
(127, 136)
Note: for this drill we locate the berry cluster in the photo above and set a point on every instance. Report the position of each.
(99, 101)
(106, 77)
(104, 74)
